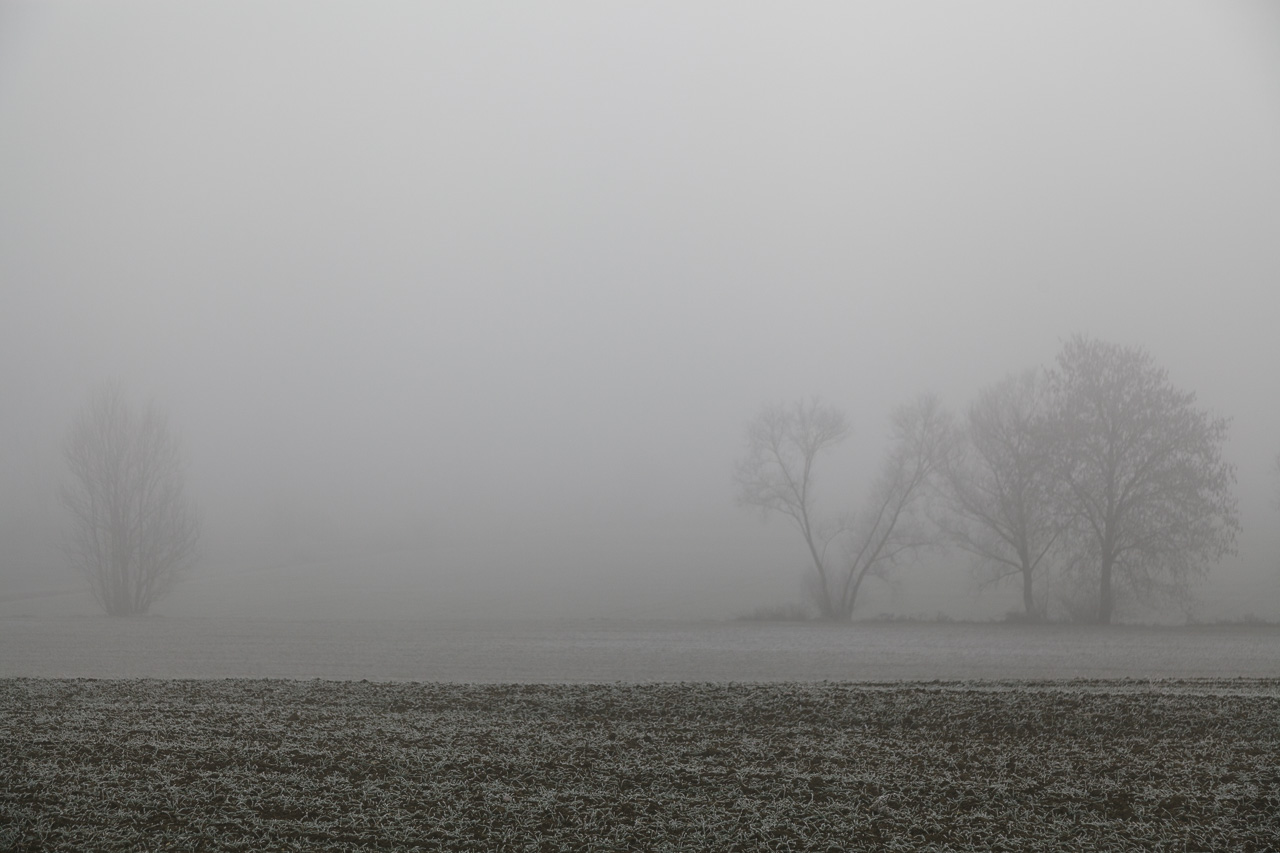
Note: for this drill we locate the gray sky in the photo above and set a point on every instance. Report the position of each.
(496, 286)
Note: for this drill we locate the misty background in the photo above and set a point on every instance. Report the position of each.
(461, 309)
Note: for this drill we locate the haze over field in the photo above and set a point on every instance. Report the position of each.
(462, 309)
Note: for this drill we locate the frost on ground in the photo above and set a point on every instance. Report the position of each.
(289, 765)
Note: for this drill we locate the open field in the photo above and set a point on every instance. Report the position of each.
(291, 765)
(588, 651)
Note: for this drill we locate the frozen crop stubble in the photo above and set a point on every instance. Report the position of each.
(237, 765)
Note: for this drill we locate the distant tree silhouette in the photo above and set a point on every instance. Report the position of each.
(132, 528)
(1140, 471)
(891, 525)
(776, 475)
(999, 487)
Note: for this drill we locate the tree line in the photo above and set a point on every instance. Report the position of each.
(1096, 472)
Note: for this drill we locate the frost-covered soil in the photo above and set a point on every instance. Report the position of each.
(319, 765)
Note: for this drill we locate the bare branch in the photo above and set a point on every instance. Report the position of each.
(776, 475)
(889, 528)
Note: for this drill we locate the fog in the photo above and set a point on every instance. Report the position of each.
(461, 309)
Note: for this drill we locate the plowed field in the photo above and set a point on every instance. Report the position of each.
(318, 765)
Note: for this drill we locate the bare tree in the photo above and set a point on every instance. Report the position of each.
(891, 526)
(132, 528)
(777, 476)
(1142, 471)
(999, 487)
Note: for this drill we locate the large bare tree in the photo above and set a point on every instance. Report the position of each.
(1141, 470)
(132, 528)
(777, 475)
(999, 487)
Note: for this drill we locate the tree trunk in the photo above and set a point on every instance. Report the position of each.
(1105, 600)
(825, 607)
(1028, 601)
